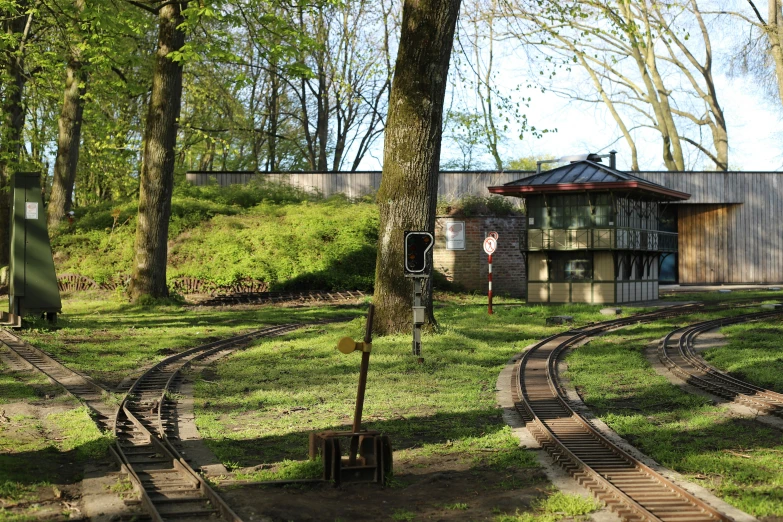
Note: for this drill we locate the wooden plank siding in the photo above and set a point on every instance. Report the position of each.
(451, 185)
(730, 229)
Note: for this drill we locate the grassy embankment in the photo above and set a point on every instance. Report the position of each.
(272, 233)
(738, 459)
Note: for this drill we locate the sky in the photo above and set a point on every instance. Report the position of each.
(755, 122)
(755, 130)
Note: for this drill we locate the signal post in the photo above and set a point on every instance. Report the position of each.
(417, 247)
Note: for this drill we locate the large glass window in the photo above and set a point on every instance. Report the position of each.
(571, 266)
(569, 211)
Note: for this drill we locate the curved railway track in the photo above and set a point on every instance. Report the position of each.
(628, 487)
(677, 353)
(145, 425)
(146, 434)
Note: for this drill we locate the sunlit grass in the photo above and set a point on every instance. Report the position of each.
(738, 459)
(554, 507)
(110, 339)
(753, 353)
(263, 402)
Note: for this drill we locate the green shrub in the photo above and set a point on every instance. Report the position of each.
(470, 206)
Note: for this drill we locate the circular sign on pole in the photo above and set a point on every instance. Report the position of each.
(493, 234)
(490, 244)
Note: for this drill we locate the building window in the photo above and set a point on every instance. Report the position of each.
(571, 266)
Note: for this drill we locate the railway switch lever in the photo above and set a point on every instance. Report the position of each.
(347, 345)
(370, 454)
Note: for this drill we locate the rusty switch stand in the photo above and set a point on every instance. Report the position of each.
(370, 454)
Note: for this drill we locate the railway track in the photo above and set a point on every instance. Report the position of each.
(145, 425)
(627, 486)
(677, 353)
(146, 432)
(280, 297)
(24, 355)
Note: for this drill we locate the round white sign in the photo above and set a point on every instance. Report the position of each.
(490, 244)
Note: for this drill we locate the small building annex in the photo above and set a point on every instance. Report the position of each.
(594, 234)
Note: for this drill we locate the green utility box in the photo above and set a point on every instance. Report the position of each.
(33, 282)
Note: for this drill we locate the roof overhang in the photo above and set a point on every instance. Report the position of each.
(521, 191)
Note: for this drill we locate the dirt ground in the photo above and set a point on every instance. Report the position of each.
(47, 481)
(438, 489)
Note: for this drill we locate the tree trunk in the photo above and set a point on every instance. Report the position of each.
(774, 30)
(409, 186)
(68, 140)
(157, 173)
(16, 27)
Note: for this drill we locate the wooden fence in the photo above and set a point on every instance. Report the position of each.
(452, 185)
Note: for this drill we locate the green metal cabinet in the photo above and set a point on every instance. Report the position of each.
(33, 281)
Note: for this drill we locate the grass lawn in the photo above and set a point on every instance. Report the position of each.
(738, 459)
(45, 438)
(753, 353)
(257, 407)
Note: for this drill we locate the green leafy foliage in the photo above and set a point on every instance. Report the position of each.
(263, 231)
(470, 206)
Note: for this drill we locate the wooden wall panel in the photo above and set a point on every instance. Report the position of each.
(537, 292)
(741, 244)
(704, 249)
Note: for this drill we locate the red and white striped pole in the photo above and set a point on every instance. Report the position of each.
(490, 244)
(489, 276)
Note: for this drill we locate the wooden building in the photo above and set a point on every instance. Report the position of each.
(594, 234)
(730, 230)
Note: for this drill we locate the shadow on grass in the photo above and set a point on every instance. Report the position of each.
(444, 429)
(47, 465)
(355, 270)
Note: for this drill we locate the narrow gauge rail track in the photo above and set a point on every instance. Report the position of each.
(279, 297)
(677, 353)
(76, 384)
(628, 487)
(146, 439)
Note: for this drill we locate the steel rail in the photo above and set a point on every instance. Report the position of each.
(678, 354)
(75, 384)
(168, 487)
(630, 488)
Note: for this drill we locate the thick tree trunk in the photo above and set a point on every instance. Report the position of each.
(157, 173)
(68, 140)
(16, 27)
(409, 186)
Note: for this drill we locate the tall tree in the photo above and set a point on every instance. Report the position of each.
(157, 172)
(409, 187)
(69, 127)
(761, 54)
(634, 53)
(17, 20)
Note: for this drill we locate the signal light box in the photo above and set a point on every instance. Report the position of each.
(417, 246)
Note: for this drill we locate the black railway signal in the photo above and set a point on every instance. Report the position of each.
(417, 245)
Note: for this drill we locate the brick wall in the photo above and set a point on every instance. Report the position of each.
(468, 267)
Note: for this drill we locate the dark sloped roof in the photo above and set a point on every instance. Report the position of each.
(584, 175)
